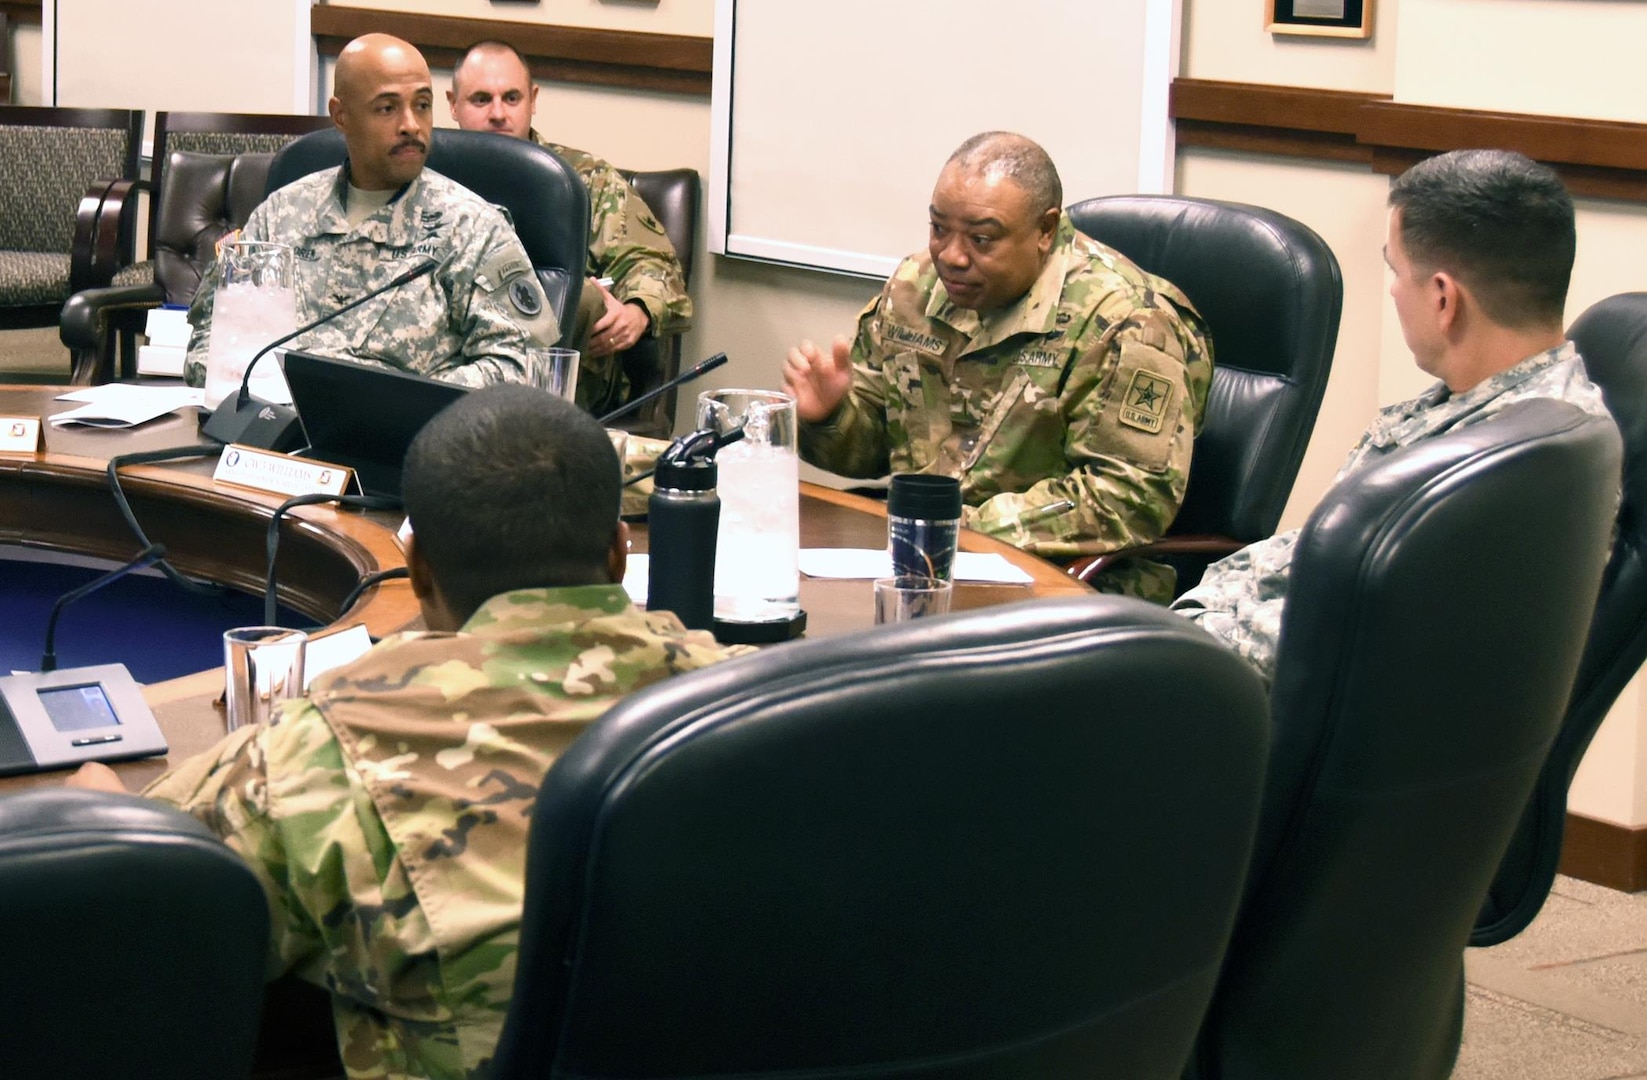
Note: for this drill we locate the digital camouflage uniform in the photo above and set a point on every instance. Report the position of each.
(387, 815)
(1068, 416)
(628, 245)
(1240, 598)
(479, 318)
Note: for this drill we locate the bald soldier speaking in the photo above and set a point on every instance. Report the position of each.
(1061, 384)
(480, 317)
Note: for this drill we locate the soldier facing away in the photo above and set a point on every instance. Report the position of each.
(1060, 383)
(479, 317)
(1480, 246)
(387, 813)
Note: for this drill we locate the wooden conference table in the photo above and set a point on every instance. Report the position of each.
(60, 500)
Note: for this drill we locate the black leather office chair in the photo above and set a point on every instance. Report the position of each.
(202, 197)
(135, 942)
(1423, 670)
(672, 196)
(1004, 843)
(1270, 290)
(543, 195)
(1612, 338)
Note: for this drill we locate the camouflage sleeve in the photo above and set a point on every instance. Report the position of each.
(499, 306)
(854, 441)
(1131, 415)
(200, 308)
(628, 245)
(227, 788)
(1240, 599)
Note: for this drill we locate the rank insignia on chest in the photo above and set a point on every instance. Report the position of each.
(1144, 405)
(431, 218)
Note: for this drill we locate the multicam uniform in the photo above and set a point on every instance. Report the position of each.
(479, 318)
(1240, 599)
(628, 245)
(387, 815)
(1068, 416)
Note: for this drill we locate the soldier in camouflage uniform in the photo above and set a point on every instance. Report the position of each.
(492, 90)
(1481, 247)
(387, 814)
(481, 317)
(1060, 383)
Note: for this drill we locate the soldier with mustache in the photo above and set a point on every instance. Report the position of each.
(480, 317)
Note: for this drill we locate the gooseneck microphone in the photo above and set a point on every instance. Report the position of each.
(700, 368)
(151, 554)
(251, 422)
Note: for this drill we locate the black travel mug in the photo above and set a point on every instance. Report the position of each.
(923, 519)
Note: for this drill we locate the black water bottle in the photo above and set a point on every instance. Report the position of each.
(682, 518)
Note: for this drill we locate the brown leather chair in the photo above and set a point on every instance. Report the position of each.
(672, 195)
(204, 196)
(90, 338)
(63, 171)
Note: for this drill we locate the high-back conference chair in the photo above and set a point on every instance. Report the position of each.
(1612, 338)
(92, 319)
(1422, 674)
(1270, 291)
(134, 941)
(543, 195)
(672, 196)
(202, 197)
(998, 844)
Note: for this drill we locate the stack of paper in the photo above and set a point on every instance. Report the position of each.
(168, 334)
(121, 405)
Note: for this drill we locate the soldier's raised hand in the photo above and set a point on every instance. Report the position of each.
(817, 381)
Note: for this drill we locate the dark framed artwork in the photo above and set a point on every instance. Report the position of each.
(1321, 18)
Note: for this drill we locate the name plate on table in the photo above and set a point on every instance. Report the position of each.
(262, 470)
(19, 434)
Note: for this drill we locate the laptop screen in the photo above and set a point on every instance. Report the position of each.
(362, 416)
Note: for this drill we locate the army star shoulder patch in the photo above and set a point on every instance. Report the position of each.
(1144, 405)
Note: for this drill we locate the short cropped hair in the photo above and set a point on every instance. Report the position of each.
(1499, 222)
(1020, 159)
(510, 487)
(489, 45)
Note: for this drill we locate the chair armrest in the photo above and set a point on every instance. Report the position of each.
(104, 227)
(84, 327)
(1213, 547)
(85, 320)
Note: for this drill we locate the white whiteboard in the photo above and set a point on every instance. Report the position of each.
(204, 55)
(832, 118)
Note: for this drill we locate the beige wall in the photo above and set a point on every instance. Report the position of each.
(691, 17)
(25, 69)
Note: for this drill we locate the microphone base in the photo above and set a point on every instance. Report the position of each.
(257, 424)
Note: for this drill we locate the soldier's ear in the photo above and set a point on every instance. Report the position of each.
(1047, 228)
(617, 559)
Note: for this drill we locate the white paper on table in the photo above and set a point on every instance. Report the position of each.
(333, 650)
(870, 563)
(121, 405)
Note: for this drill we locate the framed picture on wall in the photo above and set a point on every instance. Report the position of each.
(1321, 18)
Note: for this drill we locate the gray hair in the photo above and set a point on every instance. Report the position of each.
(1019, 159)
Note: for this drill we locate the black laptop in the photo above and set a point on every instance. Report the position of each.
(362, 416)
